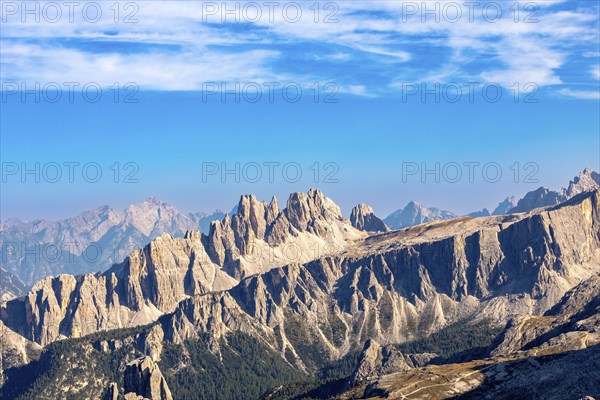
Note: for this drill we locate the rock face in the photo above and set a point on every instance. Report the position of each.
(391, 287)
(153, 280)
(375, 361)
(91, 241)
(143, 380)
(572, 324)
(370, 359)
(540, 197)
(383, 288)
(555, 356)
(363, 218)
(113, 392)
(15, 350)
(415, 214)
(586, 181)
(386, 287)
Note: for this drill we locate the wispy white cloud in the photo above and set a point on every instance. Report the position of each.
(358, 90)
(177, 49)
(581, 94)
(152, 70)
(596, 72)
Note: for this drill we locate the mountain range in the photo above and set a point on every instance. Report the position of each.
(95, 239)
(90, 241)
(415, 213)
(301, 303)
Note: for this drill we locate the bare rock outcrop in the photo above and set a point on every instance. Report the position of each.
(143, 380)
(584, 182)
(112, 393)
(388, 287)
(572, 324)
(385, 288)
(370, 359)
(363, 218)
(153, 280)
(375, 361)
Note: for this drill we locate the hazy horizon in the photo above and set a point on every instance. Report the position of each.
(346, 205)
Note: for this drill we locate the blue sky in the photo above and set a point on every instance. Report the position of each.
(371, 58)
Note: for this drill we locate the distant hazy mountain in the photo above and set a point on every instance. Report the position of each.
(542, 197)
(415, 214)
(10, 285)
(203, 219)
(482, 213)
(91, 241)
(505, 206)
(10, 222)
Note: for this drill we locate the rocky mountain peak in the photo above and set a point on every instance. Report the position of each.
(362, 209)
(542, 197)
(415, 214)
(414, 209)
(154, 200)
(310, 212)
(304, 207)
(585, 181)
(148, 205)
(368, 361)
(256, 220)
(363, 218)
(152, 215)
(274, 205)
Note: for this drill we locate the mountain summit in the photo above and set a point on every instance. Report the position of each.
(363, 218)
(415, 214)
(586, 180)
(90, 241)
